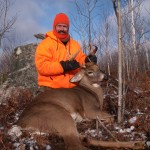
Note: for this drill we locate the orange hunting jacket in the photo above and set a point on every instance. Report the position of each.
(49, 53)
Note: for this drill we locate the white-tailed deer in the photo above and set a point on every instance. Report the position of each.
(57, 110)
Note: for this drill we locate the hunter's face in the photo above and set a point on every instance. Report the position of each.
(62, 28)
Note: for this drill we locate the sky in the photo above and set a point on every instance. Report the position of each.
(36, 16)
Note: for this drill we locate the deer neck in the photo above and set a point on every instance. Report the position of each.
(95, 90)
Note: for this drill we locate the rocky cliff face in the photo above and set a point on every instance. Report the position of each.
(23, 67)
(23, 72)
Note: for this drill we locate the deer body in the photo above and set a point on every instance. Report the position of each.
(56, 110)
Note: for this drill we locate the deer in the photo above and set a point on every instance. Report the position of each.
(58, 110)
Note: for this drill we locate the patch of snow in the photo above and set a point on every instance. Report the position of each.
(148, 144)
(48, 147)
(15, 132)
(16, 144)
(130, 129)
(5, 94)
(117, 128)
(1, 127)
(138, 90)
(28, 143)
(17, 116)
(93, 133)
(31, 143)
(143, 136)
(18, 51)
(132, 120)
(139, 113)
(125, 130)
(38, 133)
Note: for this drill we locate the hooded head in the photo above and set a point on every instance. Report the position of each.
(61, 18)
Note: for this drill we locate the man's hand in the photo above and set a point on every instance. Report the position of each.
(69, 65)
(91, 58)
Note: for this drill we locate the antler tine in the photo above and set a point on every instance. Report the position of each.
(94, 50)
(74, 55)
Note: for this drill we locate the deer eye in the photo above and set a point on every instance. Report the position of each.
(90, 73)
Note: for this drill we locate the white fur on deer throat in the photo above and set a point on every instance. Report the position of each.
(95, 85)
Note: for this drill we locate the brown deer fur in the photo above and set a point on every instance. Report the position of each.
(56, 110)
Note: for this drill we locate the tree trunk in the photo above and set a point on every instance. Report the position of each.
(119, 64)
(133, 37)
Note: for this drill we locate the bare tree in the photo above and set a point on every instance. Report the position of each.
(83, 23)
(146, 53)
(105, 33)
(6, 23)
(6, 41)
(135, 36)
(117, 9)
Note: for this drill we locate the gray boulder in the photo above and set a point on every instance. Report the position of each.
(23, 72)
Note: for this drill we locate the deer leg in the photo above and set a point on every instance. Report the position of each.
(66, 128)
(53, 119)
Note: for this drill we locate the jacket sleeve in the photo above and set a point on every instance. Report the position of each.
(44, 60)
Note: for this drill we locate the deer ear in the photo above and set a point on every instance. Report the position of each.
(77, 77)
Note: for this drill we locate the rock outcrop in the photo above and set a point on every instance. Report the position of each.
(23, 72)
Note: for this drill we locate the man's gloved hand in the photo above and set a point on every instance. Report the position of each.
(91, 58)
(69, 65)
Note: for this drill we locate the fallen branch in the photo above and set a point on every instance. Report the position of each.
(131, 144)
(107, 129)
(116, 144)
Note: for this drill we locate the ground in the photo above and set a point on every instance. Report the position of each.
(135, 126)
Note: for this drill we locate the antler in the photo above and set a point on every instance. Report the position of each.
(74, 55)
(94, 50)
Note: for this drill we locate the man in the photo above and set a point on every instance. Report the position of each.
(53, 55)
